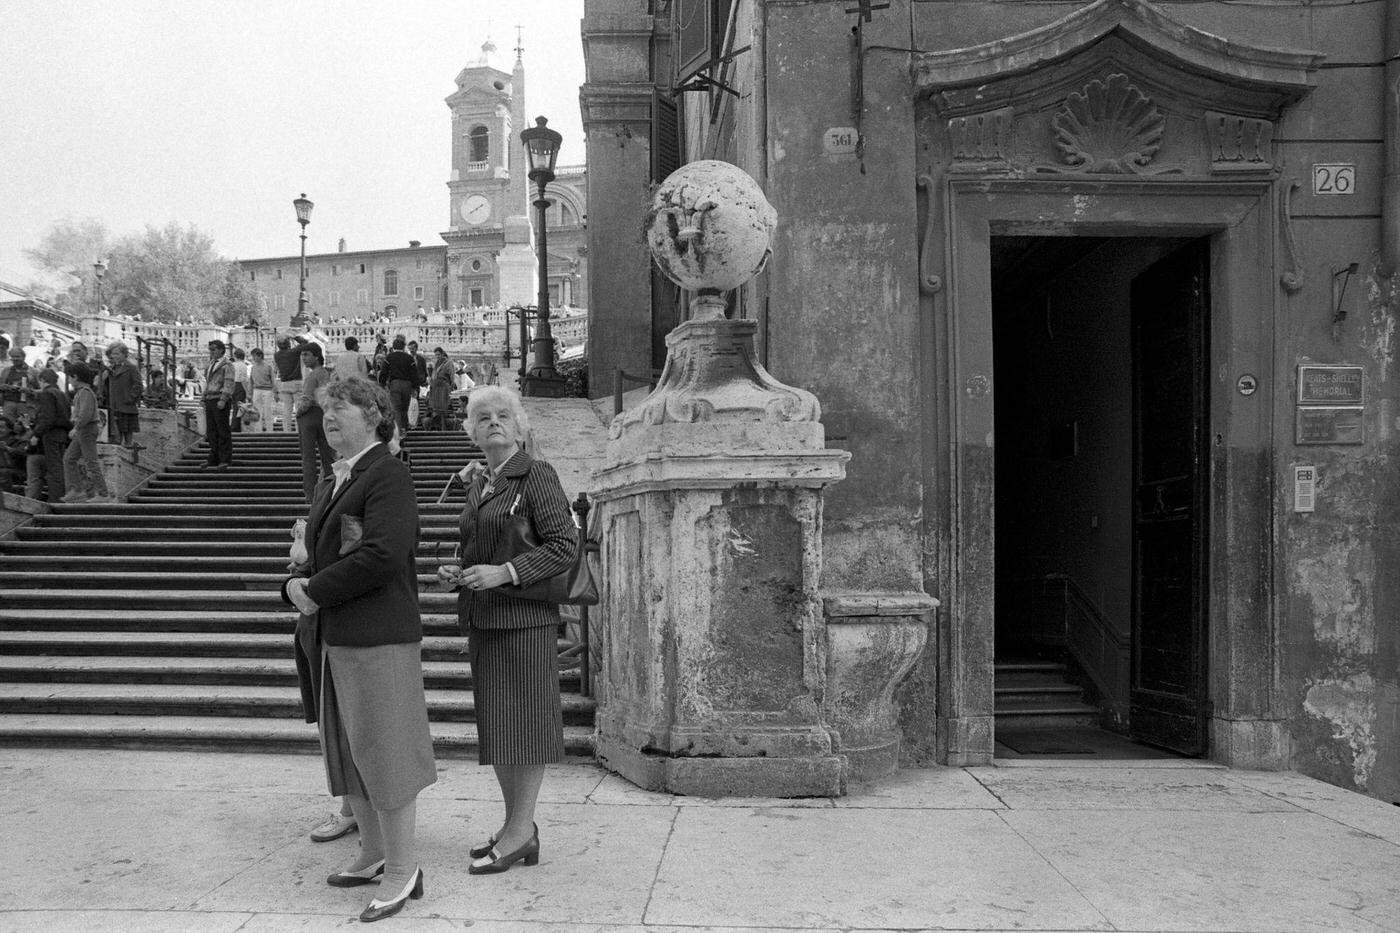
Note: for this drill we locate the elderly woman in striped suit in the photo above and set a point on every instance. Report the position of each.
(513, 642)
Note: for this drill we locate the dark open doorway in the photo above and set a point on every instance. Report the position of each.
(1100, 363)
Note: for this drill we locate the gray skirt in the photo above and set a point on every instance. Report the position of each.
(374, 723)
(515, 683)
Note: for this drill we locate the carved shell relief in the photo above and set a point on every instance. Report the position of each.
(1108, 128)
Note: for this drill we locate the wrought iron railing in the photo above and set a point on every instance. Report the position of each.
(621, 379)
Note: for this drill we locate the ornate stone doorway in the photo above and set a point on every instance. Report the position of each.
(1114, 122)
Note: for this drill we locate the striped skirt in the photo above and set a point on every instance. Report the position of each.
(374, 723)
(515, 681)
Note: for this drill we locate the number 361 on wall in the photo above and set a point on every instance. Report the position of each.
(1334, 178)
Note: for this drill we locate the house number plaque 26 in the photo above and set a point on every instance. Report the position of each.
(1334, 178)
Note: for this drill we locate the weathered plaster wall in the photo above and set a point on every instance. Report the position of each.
(843, 299)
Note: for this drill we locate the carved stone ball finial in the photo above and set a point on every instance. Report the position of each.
(709, 229)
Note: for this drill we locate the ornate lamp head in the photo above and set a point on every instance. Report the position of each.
(303, 206)
(709, 230)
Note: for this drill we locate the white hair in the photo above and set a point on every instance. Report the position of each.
(499, 395)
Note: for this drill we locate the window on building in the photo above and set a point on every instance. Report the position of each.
(391, 283)
(697, 35)
(479, 144)
(417, 293)
(333, 300)
(279, 274)
(362, 268)
(279, 302)
(335, 268)
(477, 297)
(252, 275)
(361, 296)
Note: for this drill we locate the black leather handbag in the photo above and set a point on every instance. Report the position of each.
(574, 586)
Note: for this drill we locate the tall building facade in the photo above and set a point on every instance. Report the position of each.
(487, 255)
(1101, 296)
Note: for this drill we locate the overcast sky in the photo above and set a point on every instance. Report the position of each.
(220, 112)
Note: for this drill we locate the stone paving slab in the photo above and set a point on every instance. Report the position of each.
(1118, 788)
(117, 840)
(1260, 873)
(855, 868)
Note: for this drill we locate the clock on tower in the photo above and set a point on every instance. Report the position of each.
(476, 210)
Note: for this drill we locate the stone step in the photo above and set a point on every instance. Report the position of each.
(216, 644)
(1048, 717)
(1037, 694)
(142, 533)
(190, 564)
(224, 734)
(225, 620)
(207, 600)
(222, 699)
(169, 579)
(215, 511)
(438, 545)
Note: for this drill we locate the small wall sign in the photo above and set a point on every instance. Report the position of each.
(1304, 488)
(840, 140)
(1321, 384)
(1330, 425)
(1334, 178)
(1247, 384)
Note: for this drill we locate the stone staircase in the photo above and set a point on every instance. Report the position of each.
(1036, 694)
(158, 623)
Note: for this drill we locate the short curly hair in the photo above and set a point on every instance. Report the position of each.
(369, 398)
(498, 395)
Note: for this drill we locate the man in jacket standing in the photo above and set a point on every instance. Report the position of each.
(400, 376)
(51, 425)
(82, 474)
(263, 389)
(316, 453)
(286, 362)
(18, 383)
(219, 384)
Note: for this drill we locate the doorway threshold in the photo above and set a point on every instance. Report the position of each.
(1082, 747)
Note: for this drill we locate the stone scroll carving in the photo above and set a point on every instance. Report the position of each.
(930, 282)
(1109, 128)
(1292, 277)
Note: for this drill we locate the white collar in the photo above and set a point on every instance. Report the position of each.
(342, 468)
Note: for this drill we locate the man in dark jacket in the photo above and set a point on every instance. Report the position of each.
(286, 365)
(400, 377)
(51, 426)
(218, 407)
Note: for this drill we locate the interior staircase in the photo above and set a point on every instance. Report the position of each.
(1034, 693)
(159, 623)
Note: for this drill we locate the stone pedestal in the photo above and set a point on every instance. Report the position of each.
(718, 669)
(711, 656)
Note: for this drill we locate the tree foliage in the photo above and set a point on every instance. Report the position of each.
(166, 273)
(64, 257)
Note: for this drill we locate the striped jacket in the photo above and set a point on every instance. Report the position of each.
(531, 488)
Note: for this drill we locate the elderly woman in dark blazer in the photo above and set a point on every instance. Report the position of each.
(361, 585)
(513, 642)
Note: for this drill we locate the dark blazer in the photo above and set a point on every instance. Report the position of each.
(542, 499)
(368, 595)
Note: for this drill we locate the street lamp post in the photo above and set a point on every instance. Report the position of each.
(303, 207)
(542, 148)
(99, 269)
